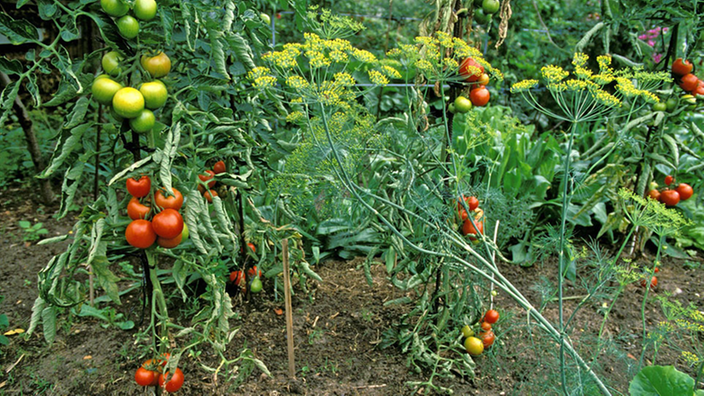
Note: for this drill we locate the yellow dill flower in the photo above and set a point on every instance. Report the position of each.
(317, 59)
(377, 78)
(297, 100)
(524, 85)
(425, 40)
(260, 77)
(606, 98)
(344, 79)
(394, 53)
(313, 42)
(603, 78)
(339, 56)
(553, 74)
(297, 82)
(582, 72)
(285, 59)
(558, 87)
(424, 66)
(338, 45)
(580, 59)
(691, 358)
(295, 117)
(604, 62)
(463, 50)
(390, 72)
(363, 55)
(575, 85)
(451, 64)
(696, 315)
(445, 39)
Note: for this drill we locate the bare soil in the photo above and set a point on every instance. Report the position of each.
(337, 332)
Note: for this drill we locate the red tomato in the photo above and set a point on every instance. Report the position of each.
(470, 70)
(205, 178)
(487, 338)
(175, 380)
(168, 223)
(140, 234)
(472, 203)
(670, 197)
(653, 282)
(252, 272)
(145, 377)
(680, 68)
(463, 214)
(669, 179)
(654, 194)
(491, 316)
(479, 96)
(656, 270)
(136, 210)
(219, 167)
(172, 202)
(689, 82)
(251, 246)
(209, 195)
(139, 188)
(169, 243)
(236, 277)
(486, 326)
(685, 191)
(469, 229)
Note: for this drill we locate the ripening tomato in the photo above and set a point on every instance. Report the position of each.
(128, 102)
(252, 272)
(168, 223)
(251, 246)
(208, 176)
(158, 66)
(486, 326)
(236, 277)
(487, 338)
(170, 243)
(685, 191)
(469, 229)
(462, 104)
(209, 195)
(669, 179)
(654, 194)
(173, 202)
(219, 167)
(670, 197)
(491, 316)
(175, 380)
(128, 26)
(145, 377)
(145, 9)
(479, 96)
(689, 82)
(463, 215)
(140, 234)
(653, 282)
(474, 346)
(467, 331)
(483, 79)
(139, 188)
(104, 89)
(137, 210)
(470, 70)
(681, 68)
(473, 203)
(111, 63)
(155, 94)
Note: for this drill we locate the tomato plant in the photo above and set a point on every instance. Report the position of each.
(685, 191)
(157, 66)
(174, 201)
(116, 8)
(170, 243)
(479, 96)
(168, 223)
(653, 282)
(111, 63)
(490, 6)
(236, 277)
(254, 272)
(143, 122)
(128, 102)
(486, 326)
(208, 195)
(689, 82)
(155, 94)
(660, 106)
(467, 331)
(462, 104)
(174, 383)
(256, 285)
(140, 234)
(474, 346)
(209, 175)
(491, 316)
(139, 188)
(670, 197)
(137, 210)
(654, 194)
(469, 229)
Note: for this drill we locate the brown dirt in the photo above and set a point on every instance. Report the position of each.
(336, 333)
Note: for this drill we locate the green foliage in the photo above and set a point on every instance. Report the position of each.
(32, 232)
(663, 380)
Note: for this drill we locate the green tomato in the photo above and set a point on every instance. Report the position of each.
(144, 122)
(478, 3)
(672, 104)
(451, 108)
(462, 104)
(116, 8)
(256, 285)
(480, 16)
(104, 89)
(491, 6)
(111, 63)
(128, 26)
(660, 106)
(467, 331)
(266, 18)
(154, 93)
(145, 9)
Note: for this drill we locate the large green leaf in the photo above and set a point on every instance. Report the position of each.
(662, 381)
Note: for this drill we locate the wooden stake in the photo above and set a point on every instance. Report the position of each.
(289, 313)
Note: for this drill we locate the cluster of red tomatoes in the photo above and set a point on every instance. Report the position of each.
(207, 178)
(671, 197)
(477, 214)
(166, 228)
(653, 280)
(150, 373)
(682, 71)
(255, 284)
(475, 345)
(472, 72)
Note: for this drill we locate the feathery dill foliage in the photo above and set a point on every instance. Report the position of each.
(680, 319)
(585, 97)
(331, 26)
(649, 213)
